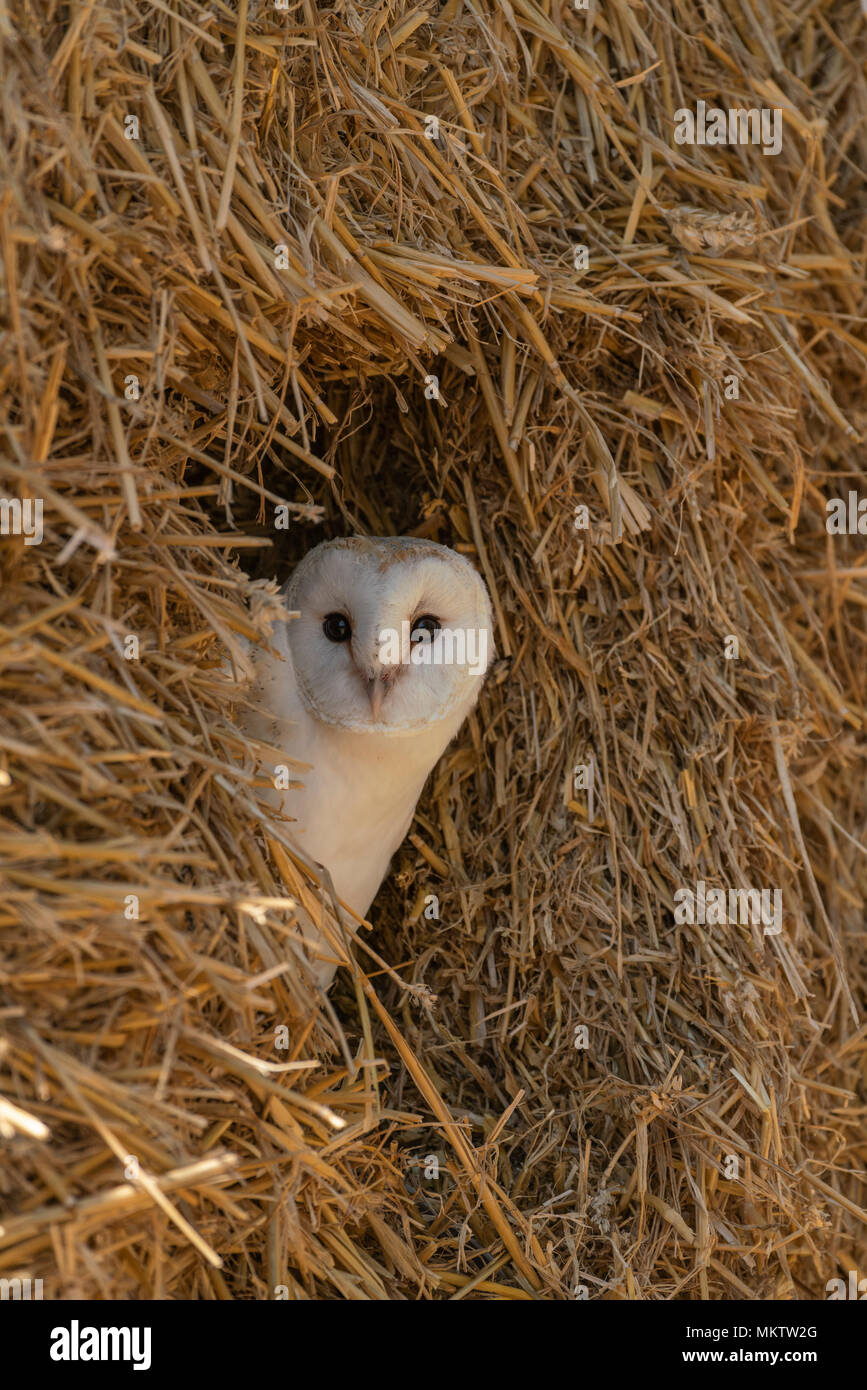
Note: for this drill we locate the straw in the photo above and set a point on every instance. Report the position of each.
(335, 283)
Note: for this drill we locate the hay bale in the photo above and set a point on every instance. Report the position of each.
(325, 268)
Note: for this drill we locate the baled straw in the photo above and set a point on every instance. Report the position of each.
(324, 269)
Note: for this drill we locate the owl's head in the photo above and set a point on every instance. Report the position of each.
(394, 634)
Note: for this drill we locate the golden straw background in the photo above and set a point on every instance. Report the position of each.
(235, 312)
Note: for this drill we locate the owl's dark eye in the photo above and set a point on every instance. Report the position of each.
(336, 627)
(426, 623)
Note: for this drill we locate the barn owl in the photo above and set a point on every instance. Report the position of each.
(369, 684)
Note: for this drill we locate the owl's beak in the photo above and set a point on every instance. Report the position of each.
(377, 689)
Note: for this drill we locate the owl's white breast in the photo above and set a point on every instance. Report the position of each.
(358, 797)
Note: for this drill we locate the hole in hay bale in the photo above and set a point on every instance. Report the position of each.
(393, 465)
